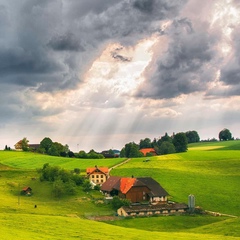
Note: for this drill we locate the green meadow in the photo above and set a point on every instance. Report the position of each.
(27, 160)
(210, 171)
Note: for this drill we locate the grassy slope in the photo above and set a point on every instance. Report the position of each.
(211, 175)
(26, 160)
(203, 171)
(36, 227)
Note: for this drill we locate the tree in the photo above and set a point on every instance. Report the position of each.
(87, 186)
(25, 144)
(146, 143)
(46, 144)
(118, 202)
(76, 170)
(225, 135)
(53, 150)
(192, 136)
(58, 188)
(123, 153)
(82, 154)
(166, 148)
(70, 187)
(180, 142)
(132, 150)
(94, 155)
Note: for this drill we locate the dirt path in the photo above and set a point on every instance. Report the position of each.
(220, 214)
(119, 164)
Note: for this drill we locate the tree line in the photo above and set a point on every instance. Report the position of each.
(164, 145)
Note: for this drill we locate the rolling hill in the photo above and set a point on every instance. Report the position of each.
(210, 171)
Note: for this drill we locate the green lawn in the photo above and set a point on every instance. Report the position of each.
(210, 171)
(27, 160)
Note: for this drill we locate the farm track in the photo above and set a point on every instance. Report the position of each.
(119, 164)
(220, 214)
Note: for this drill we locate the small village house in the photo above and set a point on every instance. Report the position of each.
(32, 147)
(98, 175)
(146, 151)
(18, 145)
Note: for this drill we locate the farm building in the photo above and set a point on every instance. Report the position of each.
(148, 210)
(135, 189)
(18, 145)
(33, 147)
(145, 151)
(98, 175)
(26, 191)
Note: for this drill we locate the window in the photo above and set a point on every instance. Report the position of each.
(93, 176)
(97, 176)
(101, 176)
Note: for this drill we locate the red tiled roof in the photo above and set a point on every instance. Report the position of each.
(126, 184)
(147, 150)
(26, 188)
(101, 169)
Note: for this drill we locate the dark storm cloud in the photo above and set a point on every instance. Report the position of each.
(49, 44)
(182, 68)
(66, 42)
(144, 5)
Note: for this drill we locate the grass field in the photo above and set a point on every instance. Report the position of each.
(26, 160)
(210, 171)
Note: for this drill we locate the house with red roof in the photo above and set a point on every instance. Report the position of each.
(145, 151)
(97, 175)
(135, 189)
(26, 191)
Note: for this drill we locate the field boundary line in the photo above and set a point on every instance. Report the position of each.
(220, 214)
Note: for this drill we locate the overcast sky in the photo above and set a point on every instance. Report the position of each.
(97, 74)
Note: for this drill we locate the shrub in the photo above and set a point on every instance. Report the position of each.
(119, 202)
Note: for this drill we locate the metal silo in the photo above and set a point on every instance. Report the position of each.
(191, 203)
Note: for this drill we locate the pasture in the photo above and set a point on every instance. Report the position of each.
(27, 160)
(210, 171)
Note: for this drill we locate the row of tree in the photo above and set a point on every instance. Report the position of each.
(164, 145)
(47, 146)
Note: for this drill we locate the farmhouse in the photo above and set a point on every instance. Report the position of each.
(98, 175)
(18, 145)
(145, 151)
(147, 210)
(26, 191)
(33, 147)
(135, 189)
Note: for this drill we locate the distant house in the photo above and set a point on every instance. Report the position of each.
(32, 147)
(18, 145)
(144, 151)
(135, 189)
(26, 191)
(98, 175)
(111, 153)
